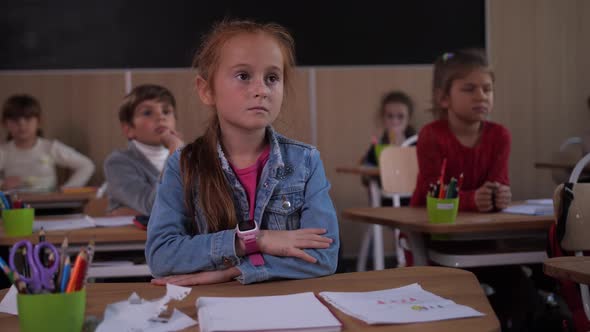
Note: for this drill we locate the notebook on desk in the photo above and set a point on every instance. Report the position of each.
(295, 312)
(63, 223)
(533, 207)
(408, 304)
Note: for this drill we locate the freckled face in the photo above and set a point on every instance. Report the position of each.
(248, 85)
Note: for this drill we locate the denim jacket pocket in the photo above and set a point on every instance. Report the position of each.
(284, 208)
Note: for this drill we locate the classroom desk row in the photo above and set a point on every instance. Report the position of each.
(468, 226)
(109, 239)
(457, 285)
(57, 200)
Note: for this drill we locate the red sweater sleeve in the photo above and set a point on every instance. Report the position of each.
(499, 170)
(429, 161)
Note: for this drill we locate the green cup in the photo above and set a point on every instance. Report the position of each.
(442, 211)
(18, 222)
(378, 149)
(51, 312)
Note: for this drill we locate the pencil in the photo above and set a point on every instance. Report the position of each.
(443, 168)
(65, 276)
(78, 272)
(62, 259)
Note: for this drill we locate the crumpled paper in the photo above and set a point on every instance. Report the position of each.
(137, 314)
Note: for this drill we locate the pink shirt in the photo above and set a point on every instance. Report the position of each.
(250, 176)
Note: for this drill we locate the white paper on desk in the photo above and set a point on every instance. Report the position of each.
(540, 201)
(293, 312)
(137, 314)
(113, 221)
(530, 209)
(408, 304)
(8, 304)
(64, 224)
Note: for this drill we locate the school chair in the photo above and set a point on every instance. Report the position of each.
(97, 207)
(571, 149)
(572, 231)
(398, 168)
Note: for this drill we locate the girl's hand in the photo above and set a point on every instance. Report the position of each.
(503, 197)
(291, 243)
(171, 140)
(12, 182)
(199, 278)
(483, 196)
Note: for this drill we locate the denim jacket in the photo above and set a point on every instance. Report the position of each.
(294, 173)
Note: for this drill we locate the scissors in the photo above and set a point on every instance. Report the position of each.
(41, 276)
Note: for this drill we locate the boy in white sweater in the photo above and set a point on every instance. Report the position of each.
(148, 120)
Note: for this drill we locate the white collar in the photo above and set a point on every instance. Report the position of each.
(157, 155)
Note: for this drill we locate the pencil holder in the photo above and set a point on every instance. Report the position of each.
(442, 210)
(18, 222)
(378, 149)
(52, 311)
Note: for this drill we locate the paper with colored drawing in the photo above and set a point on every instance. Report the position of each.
(408, 304)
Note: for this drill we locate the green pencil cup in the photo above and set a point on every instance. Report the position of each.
(18, 222)
(442, 211)
(378, 149)
(51, 312)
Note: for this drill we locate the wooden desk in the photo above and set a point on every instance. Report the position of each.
(359, 170)
(458, 285)
(555, 165)
(55, 200)
(415, 222)
(560, 165)
(101, 236)
(107, 239)
(574, 268)
(376, 230)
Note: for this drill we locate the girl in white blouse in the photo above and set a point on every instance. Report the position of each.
(28, 161)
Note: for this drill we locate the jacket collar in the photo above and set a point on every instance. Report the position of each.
(275, 159)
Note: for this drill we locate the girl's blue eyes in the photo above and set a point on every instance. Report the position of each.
(269, 79)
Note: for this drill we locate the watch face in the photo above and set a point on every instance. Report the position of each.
(246, 225)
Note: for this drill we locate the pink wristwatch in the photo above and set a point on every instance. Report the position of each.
(248, 231)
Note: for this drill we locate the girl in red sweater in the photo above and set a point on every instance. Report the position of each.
(463, 97)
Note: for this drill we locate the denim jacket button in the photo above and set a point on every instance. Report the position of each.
(227, 262)
(286, 205)
(265, 185)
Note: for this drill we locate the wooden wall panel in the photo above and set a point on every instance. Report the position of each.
(194, 115)
(77, 109)
(294, 120)
(541, 58)
(347, 102)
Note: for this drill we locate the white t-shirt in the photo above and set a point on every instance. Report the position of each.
(36, 166)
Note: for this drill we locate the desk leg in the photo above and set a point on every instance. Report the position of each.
(378, 255)
(377, 232)
(418, 249)
(361, 263)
